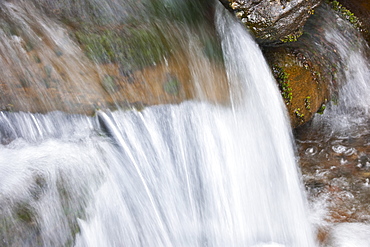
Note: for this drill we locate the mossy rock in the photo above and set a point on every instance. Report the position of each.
(109, 83)
(303, 88)
(132, 47)
(309, 71)
(357, 12)
(273, 22)
(172, 85)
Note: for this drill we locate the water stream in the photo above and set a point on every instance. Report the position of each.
(191, 174)
(205, 172)
(334, 146)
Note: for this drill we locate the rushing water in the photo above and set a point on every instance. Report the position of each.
(186, 175)
(334, 146)
(347, 110)
(193, 174)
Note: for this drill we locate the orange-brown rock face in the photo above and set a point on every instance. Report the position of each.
(300, 82)
(44, 67)
(59, 82)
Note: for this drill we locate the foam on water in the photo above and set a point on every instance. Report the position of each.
(194, 174)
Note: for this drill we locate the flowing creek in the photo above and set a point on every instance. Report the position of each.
(209, 171)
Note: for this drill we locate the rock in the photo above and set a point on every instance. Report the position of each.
(273, 21)
(300, 82)
(361, 10)
(310, 71)
(78, 69)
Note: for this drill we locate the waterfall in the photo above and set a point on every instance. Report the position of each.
(192, 174)
(337, 141)
(346, 113)
(182, 175)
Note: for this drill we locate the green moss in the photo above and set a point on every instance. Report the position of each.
(307, 103)
(299, 114)
(172, 85)
(135, 47)
(321, 109)
(37, 59)
(345, 13)
(282, 78)
(212, 49)
(316, 74)
(109, 83)
(292, 37)
(8, 107)
(98, 46)
(24, 213)
(29, 46)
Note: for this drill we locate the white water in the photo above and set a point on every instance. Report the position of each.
(342, 130)
(193, 174)
(347, 113)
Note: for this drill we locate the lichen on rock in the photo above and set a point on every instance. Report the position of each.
(273, 21)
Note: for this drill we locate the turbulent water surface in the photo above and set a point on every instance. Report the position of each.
(334, 146)
(191, 174)
(194, 174)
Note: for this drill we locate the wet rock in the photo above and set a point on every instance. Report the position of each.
(109, 83)
(308, 71)
(360, 9)
(300, 82)
(83, 67)
(172, 85)
(273, 21)
(336, 174)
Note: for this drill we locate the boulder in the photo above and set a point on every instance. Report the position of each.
(273, 21)
(357, 9)
(48, 65)
(303, 88)
(308, 71)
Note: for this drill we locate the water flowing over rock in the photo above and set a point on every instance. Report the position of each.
(75, 57)
(171, 175)
(334, 146)
(307, 70)
(273, 21)
(207, 155)
(359, 9)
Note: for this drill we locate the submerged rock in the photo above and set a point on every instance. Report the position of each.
(273, 21)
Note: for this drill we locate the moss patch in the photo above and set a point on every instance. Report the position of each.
(321, 109)
(282, 78)
(307, 103)
(136, 47)
(109, 83)
(292, 37)
(299, 115)
(345, 13)
(172, 85)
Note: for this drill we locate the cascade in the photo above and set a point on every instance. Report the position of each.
(191, 174)
(347, 111)
(334, 145)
